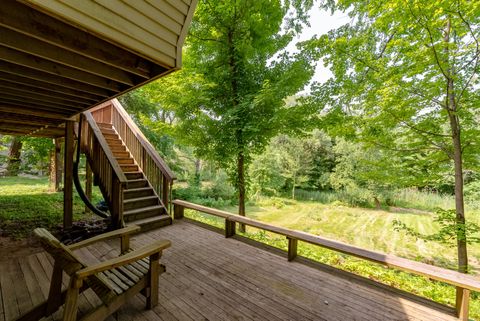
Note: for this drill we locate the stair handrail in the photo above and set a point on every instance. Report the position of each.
(112, 182)
(144, 141)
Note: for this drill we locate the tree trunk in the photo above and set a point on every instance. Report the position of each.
(459, 199)
(198, 168)
(293, 187)
(452, 109)
(13, 165)
(241, 187)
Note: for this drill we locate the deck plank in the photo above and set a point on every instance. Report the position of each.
(209, 277)
(7, 282)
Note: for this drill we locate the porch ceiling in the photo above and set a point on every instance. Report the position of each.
(59, 58)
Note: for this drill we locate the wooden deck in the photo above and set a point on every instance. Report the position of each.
(212, 278)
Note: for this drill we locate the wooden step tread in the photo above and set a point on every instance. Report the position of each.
(135, 180)
(136, 190)
(139, 199)
(143, 209)
(150, 220)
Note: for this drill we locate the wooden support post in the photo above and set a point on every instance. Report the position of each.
(68, 176)
(292, 248)
(88, 184)
(125, 243)
(178, 211)
(165, 193)
(229, 228)
(117, 203)
(462, 303)
(152, 299)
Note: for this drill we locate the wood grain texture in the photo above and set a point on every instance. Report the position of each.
(440, 274)
(210, 277)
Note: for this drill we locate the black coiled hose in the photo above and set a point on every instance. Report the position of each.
(76, 179)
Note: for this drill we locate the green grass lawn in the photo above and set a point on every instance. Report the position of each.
(366, 228)
(26, 203)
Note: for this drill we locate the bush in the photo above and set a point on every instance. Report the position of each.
(472, 193)
(220, 188)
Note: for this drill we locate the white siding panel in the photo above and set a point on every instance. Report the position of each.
(142, 21)
(170, 10)
(151, 28)
(153, 13)
(179, 5)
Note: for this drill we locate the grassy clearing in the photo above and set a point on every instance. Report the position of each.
(367, 228)
(26, 203)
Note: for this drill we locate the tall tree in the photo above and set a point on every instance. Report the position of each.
(410, 69)
(238, 75)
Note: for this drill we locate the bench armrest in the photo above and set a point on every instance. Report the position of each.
(106, 236)
(156, 247)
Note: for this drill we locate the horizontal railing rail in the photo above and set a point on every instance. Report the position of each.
(464, 283)
(112, 181)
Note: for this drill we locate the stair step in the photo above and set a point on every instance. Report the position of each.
(134, 175)
(105, 125)
(110, 136)
(137, 192)
(129, 168)
(113, 141)
(106, 130)
(144, 212)
(152, 222)
(121, 154)
(140, 202)
(117, 148)
(137, 183)
(125, 160)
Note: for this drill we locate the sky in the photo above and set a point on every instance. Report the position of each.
(321, 22)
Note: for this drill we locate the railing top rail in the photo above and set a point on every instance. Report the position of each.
(144, 141)
(103, 143)
(440, 274)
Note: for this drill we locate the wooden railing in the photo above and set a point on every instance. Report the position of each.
(109, 175)
(153, 166)
(464, 283)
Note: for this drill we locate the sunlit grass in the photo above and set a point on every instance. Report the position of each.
(26, 203)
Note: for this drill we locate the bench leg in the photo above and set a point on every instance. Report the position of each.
(71, 303)
(153, 273)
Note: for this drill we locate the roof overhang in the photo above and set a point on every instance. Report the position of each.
(62, 57)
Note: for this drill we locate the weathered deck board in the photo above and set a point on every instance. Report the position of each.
(212, 278)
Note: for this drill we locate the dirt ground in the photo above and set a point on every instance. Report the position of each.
(10, 248)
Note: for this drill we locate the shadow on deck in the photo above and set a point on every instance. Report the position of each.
(212, 278)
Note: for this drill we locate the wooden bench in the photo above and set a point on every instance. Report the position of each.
(114, 281)
(464, 283)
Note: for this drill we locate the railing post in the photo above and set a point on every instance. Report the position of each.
(229, 228)
(117, 203)
(462, 302)
(68, 175)
(165, 185)
(178, 211)
(292, 248)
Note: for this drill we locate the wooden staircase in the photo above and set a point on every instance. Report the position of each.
(134, 180)
(141, 205)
